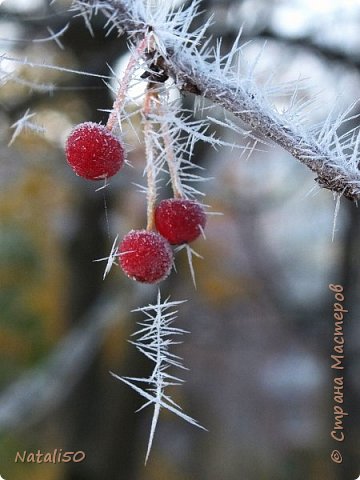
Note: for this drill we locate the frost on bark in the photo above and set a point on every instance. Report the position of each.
(227, 81)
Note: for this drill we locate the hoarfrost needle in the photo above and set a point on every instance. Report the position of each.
(153, 340)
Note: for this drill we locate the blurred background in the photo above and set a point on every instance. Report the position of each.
(261, 318)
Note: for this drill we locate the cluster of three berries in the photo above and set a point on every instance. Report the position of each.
(95, 153)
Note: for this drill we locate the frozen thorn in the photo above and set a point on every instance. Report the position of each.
(111, 259)
(24, 123)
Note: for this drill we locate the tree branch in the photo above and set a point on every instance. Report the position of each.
(332, 158)
(42, 389)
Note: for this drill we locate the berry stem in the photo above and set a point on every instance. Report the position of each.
(171, 157)
(151, 97)
(124, 84)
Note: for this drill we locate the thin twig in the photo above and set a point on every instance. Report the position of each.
(170, 156)
(151, 97)
(124, 85)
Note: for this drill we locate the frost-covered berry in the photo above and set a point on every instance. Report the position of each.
(145, 256)
(180, 220)
(93, 152)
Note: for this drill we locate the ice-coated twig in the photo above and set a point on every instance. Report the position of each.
(29, 63)
(124, 84)
(230, 82)
(153, 340)
(53, 36)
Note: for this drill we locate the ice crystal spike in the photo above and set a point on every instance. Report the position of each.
(24, 123)
(153, 340)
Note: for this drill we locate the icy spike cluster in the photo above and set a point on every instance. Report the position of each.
(153, 340)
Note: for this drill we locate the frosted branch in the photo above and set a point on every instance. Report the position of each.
(197, 69)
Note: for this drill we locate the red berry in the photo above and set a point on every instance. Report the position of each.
(93, 152)
(179, 220)
(145, 256)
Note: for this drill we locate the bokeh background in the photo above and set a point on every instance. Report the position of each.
(261, 317)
